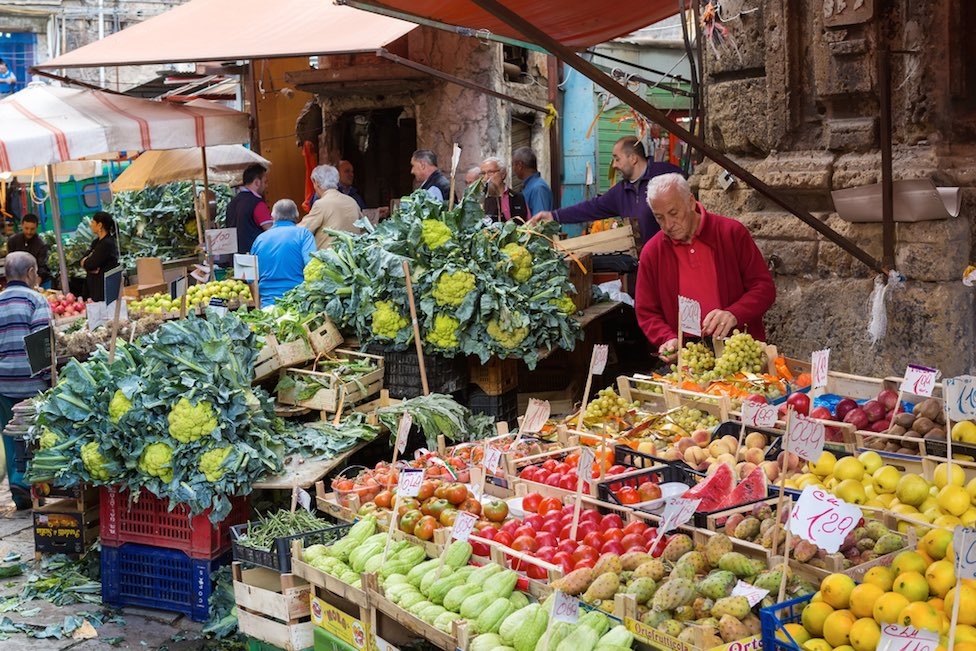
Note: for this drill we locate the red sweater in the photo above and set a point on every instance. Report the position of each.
(745, 286)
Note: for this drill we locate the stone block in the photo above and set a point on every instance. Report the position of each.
(836, 261)
(932, 262)
(852, 134)
(748, 34)
(730, 103)
(735, 201)
(855, 170)
(777, 226)
(789, 258)
(805, 170)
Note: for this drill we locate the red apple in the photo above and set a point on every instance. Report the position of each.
(843, 407)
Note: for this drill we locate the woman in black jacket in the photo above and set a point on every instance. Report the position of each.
(103, 255)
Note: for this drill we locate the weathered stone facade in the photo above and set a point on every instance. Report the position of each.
(800, 109)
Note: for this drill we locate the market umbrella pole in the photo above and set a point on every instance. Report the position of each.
(416, 329)
(52, 193)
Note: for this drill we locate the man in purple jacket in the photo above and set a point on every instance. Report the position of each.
(627, 199)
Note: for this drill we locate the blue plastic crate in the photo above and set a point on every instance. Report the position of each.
(153, 577)
(773, 619)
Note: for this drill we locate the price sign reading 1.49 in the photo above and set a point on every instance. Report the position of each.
(822, 519)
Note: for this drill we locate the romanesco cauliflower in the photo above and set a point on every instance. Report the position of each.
(565, 305)
(119, 406)
(521, 261)
(435, 234)
(507, 338)
(387, 321)
(211, 462)
(314, 270)
(94, 462)
(189, 422)
(444, 334)
(48, 439)
(452, 289)
(157, 461)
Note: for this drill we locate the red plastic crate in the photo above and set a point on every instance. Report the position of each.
(150, 522)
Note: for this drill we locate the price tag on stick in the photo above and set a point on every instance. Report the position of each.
(906, 638)
(823, 519)
(960, 396)
(677, 511)
(919, 380)
(403, 432)
(492, 458)
(536, 416)
(807, 437)
(409, 481)
(177, 288)
(585, 465)
(598, 361)
(565, 608)
(218, 305)
(753, 594)
(818, 368)
(463, 525)
(689, 316)
(964, 546)
(758, 414)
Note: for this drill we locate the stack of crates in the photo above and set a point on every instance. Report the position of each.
(65, 519)
(159, 558)
(494, 389)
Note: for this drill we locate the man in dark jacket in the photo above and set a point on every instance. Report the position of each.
(627, 199)
(423, 166)
(501, 202)
(247, 211)
(28, 240)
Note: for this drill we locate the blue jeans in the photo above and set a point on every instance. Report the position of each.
(18, 485)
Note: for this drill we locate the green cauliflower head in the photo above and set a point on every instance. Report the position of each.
(212, 461)
(521, 259)
(188, 422)
(95, 463)
(444, 334)
(157, 461)
(48, 439)
(434, 233)
(119, 406)
(507, 338)
(314, 270)
(565, 305)
(452, 289)
(387, 320)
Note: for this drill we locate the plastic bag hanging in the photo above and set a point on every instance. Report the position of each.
(878, 325)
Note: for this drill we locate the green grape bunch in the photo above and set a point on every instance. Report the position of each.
(607, 404)
(742, 354)
(691, 419)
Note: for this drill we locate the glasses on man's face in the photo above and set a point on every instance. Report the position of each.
(490, 172)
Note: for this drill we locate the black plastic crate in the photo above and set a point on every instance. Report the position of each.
(278, 557)
(503, 408)
(626, 456)
(401, 373)
(731, 428)
(22, 453)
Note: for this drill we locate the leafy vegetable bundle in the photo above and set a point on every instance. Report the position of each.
(174, 413)
(483, 289)
(439, 414)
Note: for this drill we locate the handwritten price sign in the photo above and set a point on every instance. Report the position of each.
(818, 368)
(598, 362)
(960, 395)
(677, 511)
(689, 315)
(807, 437)
(964, 544)
(565, 608)
(492, 456)
(752, 594)
(221, 241)
(463, 525)
(919, 380)
(403, 431)
(757, 414)
(906, 638)
(408, 484)
(823, 519)
(536, 415)
(585, 465)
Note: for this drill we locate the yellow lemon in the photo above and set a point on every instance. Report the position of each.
(880, 576)
(865, 634)
(967, 615)
(837, 628)
(814, 615)
(836, 590)
(796, 631)
(848, 468)
(871, 461)
(863, 598)
(920, 615)
(817, 644)
(824, 465)
(954, 499)
(908, 561)
(913, 585)
(941, 476)
(935, 542)
(888, 607)
(941, 576)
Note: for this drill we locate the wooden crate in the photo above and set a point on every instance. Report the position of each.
(328, 503)
(638, 389)
(496, 376)
(563, 401)
(581, 275)
(325, 338)
(66, 526)
(275, 356)
(353, 594)
(273, 607)
(718, 406)
(911, 463)
(384, 608)
(330, 398)
(834, 563)
(615, 240)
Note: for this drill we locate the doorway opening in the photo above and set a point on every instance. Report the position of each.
(379, 144)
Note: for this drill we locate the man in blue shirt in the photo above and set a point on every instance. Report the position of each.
(536, 191)
(282, 251)
(7, 79)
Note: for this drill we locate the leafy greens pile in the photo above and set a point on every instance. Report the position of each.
(483, 289)
(436, 414)
(174, 413)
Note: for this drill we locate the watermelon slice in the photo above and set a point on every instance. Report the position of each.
(750, 489)
(713, 490)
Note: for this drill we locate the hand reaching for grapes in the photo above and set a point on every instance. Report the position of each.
(718, 323)
(668, 351)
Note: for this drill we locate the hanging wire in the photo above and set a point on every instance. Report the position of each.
(742, 12)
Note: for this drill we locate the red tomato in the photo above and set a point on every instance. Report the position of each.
(549, 504)
(536, 572)
(503, 538)
(426, 490)
(553, 527)
(479, 548)
(530, 503)
(611, 521)
(549, 464)
(494, 510)
(628, 495)
(585, 562)
(585, 551)
(617, 469)
(471, 505)
(632, 541)
(546, 539)
(636, 526)
(566, 518)
(612, 547)
(567, 546)
(593, 539)
(456, 493)
(425, 527)
(535, 521)
(525, 544)
(545, 552)
(612, 534)
(553, 480)
(448, 516)
(524, 530)
(567, 482)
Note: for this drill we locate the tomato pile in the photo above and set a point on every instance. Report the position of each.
(370, 482)
(565, 474)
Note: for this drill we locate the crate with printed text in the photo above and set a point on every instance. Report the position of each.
(342, 379)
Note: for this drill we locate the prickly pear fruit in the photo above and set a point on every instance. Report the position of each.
(717, 584)
(769, 580)
(684, 613)
(739, 564)
(642, 589)
(888, 543)
(804, 551)
(876, 529)
(697, 560)
(731, 629)
(748, 529)
(738, 607)
(576, 582)
(702, 607)
(678, 546)
(752, 624)
(608, 563)
(603, 587)
(671, 627)
(632, 560)
(682, 571)
(654, 617)
(717, 546)
(674, 593)
(653, 569)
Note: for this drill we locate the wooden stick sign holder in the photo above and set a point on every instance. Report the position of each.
(416, 329)
(598, 363)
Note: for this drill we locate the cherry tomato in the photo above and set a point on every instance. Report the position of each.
(593, 539)
(549, 504)
(632, 541)
(425, 527)
(612, 534)
(530, 503)
(525, 544)
(611, 521)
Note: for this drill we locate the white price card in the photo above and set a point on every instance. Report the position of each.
(689, 316)
(960, 396)
(97, 314)
(565, 607)
(807, 436)
(492, 457)
(585, 465)
(759, 414)
(823, 519)
(463, 525)
(818, 368)
(217, 305)
(964, 546)
(677, 511)
(598, 361)
(906, 638)
(753, 594)
(303, 498)
(536, 416)
(919, 380)
(245, 267)
(221, 241)
(403, 431)
(409, 481)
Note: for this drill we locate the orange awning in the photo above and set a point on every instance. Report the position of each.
(228, 30)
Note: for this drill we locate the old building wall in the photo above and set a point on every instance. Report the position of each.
(798, 105)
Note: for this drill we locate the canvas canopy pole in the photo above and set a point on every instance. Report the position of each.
(52, 192)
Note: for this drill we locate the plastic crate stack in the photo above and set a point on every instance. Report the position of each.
(154, 557)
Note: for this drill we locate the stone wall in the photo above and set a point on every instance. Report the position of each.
(795, 101)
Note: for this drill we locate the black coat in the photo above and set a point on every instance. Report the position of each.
(102, 256)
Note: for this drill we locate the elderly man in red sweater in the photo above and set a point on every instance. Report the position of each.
(703, 256)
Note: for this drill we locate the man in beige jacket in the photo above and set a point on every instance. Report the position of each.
(332, 209)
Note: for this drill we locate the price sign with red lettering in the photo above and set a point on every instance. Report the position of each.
(565, 608)
(492, 456)
(598, 361)
(964, 546)
(919, 380)
(753, 594)
(818, 368)
(906, 638)
(960, 396)
(408, 484)
(536, 416)
(403, 431)
(677, 511)
(463, 525)
(823, 519)
(585, 465)
(807, 437)
(758, 414)
(689, 316)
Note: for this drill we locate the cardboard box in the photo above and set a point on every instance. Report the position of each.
(150, 278)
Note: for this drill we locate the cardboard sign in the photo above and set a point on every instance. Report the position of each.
(492, 457)
(919, 380)
(177, 288)
(598, 362)
(823, 519)
(689, 316)
(113, 285)
(221, 241)
(964, 545)
(218, 305)
(409, 481)
(960, 397)
(38, 345)
(246, 267)
(565, 608)
(97, 314)
(807, 436)
(757, 414)
(585, 465)
(200, 273)
(906, 638)
(753, 594)
(818, 368)
(677, 511)
(304, 498)
(463, 525)
(536, 416)
(403, 431)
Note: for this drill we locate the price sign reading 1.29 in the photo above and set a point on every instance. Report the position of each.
(823, 519)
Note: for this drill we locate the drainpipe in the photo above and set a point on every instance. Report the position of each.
(101, 35)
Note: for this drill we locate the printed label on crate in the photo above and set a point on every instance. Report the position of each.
(677, 511)
(218, 305)
(537, 414)
(492, 457)
(403, 431)
(964, 545)
(598, 361)
(906, 638)
(806, 437)
(689, 314)
(565, 608)
(409, 481)
(463, 525)
(585, 465)
(348, 629)
(960, 396)
(818, 368)
(759, 414)
(919, 380)
(659, 640)
(753, 594)
(58, 525)
(823, 519)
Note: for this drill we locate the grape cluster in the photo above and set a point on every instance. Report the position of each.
(697, 358)
(691, 419)
(607, 403)
(742, 354)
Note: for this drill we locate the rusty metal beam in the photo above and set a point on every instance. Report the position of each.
(568, 56)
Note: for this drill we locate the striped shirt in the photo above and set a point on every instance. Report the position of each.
(22, 311)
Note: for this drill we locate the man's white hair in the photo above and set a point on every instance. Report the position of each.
(662, 183)
(285, 210)
(498, 162)
(326, 177)
(18, 265)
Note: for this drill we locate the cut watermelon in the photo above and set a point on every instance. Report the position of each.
(713, 490)
(750, 489)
